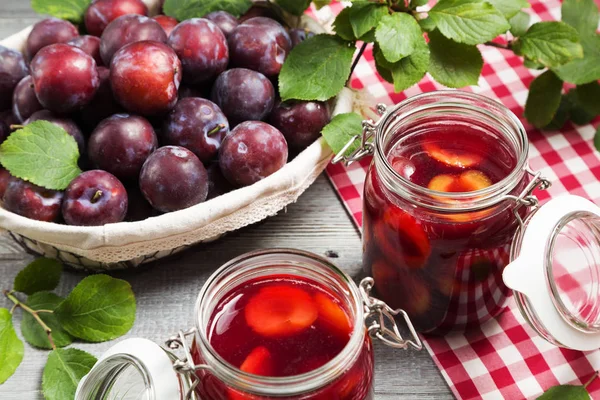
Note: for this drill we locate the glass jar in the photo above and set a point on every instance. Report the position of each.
(349, 376)
(440, 255)
(140, 369)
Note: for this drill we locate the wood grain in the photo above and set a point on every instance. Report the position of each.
(166, 291)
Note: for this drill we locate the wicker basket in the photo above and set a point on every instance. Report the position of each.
(130, 244)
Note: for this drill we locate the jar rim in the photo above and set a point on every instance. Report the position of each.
(289, 385)
(463, 201)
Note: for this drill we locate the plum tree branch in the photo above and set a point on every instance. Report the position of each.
(357, 59)
(500, 46)
(34, 313)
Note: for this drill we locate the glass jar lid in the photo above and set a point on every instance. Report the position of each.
(134, 369)
(555, 272)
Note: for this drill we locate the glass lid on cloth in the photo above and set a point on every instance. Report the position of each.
(555, 272)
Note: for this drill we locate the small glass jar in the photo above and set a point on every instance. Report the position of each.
(440, 255)
(349, 376)
(140, 369)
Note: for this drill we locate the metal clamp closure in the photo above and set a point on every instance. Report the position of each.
(366, 147)
(185, 366)
(380, 321)
(526, 197)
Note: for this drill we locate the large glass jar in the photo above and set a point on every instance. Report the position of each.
(439, 255)
(139, 369)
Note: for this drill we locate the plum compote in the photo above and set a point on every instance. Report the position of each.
(442, 265)
(289, 325)
(285, 325)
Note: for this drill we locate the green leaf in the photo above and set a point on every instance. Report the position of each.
(578, 113)
(381, 65)
(453, 64)
(588, 96)
(398, 36)
(418, 3)
(519, 23)
(409, 70)
(581, 15)
(316, 69)
(468, 21)
(586, 69)
(321, 3)
(565, 392)
(365, 16)
(11, 347)
(341, 129)
(385, 74)
(580, 105)
(63, 371)
(532, 64)
(32, 330)
(295, 7)
(509, 8)
(549, 43)
(42, 153)
(561, 116)
(186, 9)
(41, 274)
(99, 308)
(342, 25)
(426, 24)
(72, 10)
(597, 139)
(368, 37)
(544, 99)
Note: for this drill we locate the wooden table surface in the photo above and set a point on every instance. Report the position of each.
(166, 291)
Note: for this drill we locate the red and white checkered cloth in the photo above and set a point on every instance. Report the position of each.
(504, 358)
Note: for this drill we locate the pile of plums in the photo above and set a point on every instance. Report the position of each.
(166, 114)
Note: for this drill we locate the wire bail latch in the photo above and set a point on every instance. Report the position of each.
(380, 321)
(526, 198)
(366, 147)
(185, 366)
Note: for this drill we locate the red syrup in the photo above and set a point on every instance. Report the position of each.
(283, 326)
(443, 267)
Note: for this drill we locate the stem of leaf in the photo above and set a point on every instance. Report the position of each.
(591, 380)
(498, 45)
(357, 59)
(34, 313)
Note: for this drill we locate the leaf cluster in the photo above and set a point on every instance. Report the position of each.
(548, 105)
(99, 308)
(409, 41)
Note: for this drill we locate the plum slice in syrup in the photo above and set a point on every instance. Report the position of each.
(281, 325)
